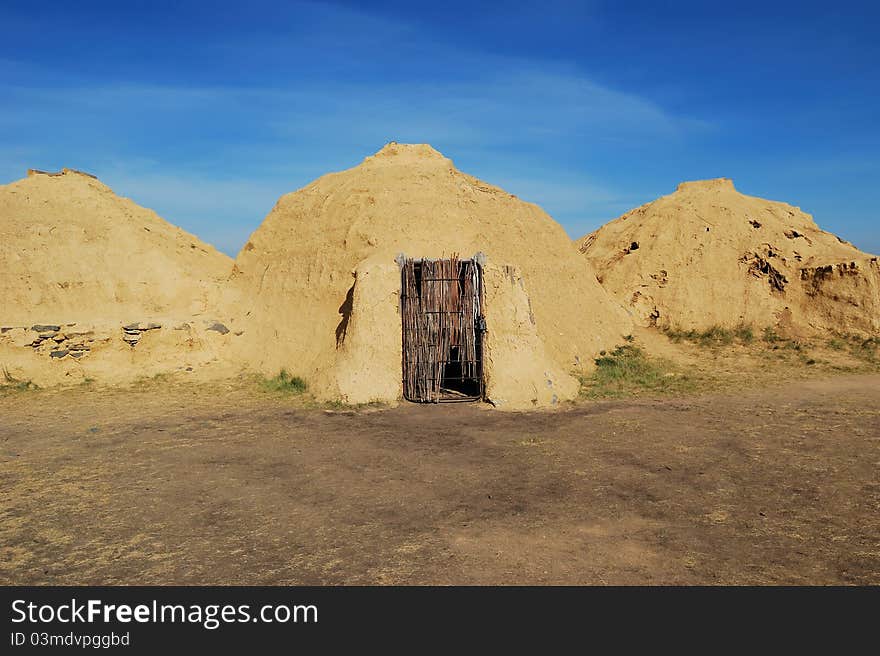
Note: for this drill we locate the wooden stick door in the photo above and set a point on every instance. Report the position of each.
(443, 325)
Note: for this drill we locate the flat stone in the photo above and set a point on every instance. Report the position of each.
(218, 327)
(58, 354)
(45, 328)
(137, 325)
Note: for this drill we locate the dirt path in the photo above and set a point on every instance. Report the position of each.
(183, 486)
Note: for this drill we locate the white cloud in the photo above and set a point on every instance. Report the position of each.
(221, 212)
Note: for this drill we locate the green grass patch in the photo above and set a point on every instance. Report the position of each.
(771, 344)
(12, 385)
(770, 335)
(865, 349)
(713, 335)
(744, 333)
(716, 336)
(629, 371)
(18, 386)
(156, 380)
(286, 383)
(341, 406)
(677, 334)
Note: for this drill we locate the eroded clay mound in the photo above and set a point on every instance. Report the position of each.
(708, 255)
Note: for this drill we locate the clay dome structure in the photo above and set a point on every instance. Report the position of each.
(406, 278)
(93, 286)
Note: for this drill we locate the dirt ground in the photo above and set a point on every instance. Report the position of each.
(229, 486)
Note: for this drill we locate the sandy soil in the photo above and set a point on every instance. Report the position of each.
(183, 485)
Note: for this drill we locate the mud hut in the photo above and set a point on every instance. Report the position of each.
(406, 278)
(94, 286)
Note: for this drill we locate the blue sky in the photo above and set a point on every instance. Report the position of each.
(208, 112)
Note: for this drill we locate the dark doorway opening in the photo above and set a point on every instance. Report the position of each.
(443, 326)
